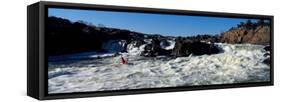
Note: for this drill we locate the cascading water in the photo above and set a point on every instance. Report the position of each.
(237, 63)
(114, 45)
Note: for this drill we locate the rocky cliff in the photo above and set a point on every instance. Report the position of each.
(253, 33)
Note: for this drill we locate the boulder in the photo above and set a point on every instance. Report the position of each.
(267, 48)
(164, 43)
(180, 48)
(154, 49)
(187, 47)
(266, 54)
(267, 61)
(138, 43)
(115, 46)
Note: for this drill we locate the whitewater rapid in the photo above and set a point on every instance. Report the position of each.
(237, 63)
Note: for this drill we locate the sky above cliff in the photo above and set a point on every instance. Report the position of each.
(168, 25)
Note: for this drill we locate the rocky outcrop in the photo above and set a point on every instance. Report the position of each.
(182, 47)
(267, 48)
(255, 35)
(187, 47)
(137, 42)
(267, 61)
(115, 46)
(205, 38)
(267, 54)
(154, 49)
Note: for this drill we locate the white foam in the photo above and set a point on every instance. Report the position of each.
(170, 46)
(236, 64)
(132, 50)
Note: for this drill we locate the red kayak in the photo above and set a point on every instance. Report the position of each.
(123, 61)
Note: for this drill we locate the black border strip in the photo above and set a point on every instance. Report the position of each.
(44, 85)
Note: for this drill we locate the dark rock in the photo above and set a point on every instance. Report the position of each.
(267, 61)
(267, 48)
(187, 47)
(165, 43)
(147, 51)
(138, 42)
(180, 48)
(154, 49)
(266, 54)
(206, 38)
(115, 46)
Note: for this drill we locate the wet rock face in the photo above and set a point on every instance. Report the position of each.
(267, 48)
(181, 48)
(115, 46)
(154, 49)
(138, 43)
(199, 48)
(267, 61)
(164, 43)
(266, 54)
(187, 47)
